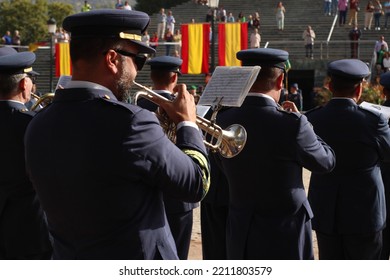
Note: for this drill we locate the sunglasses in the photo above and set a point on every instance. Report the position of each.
(139, 59)
(33, 79)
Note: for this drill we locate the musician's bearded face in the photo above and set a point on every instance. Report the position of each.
(127, 73)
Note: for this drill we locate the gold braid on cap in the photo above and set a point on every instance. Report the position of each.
(129, 36)
(27, 70)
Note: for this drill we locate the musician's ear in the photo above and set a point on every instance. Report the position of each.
(174, 77)
(330, 85)
(280, 81)
(358, 91)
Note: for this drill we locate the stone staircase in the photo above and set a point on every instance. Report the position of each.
(299, 14)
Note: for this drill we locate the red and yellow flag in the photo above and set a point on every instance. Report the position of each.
(195, 48)
(232, 37)
(63, 63)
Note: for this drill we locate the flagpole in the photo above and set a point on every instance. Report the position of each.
(51, 26)
(213, 4)
(212, 42)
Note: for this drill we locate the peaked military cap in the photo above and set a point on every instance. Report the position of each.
(264, 57)
(17, 63)
(165, 63)
(353, 69)
(7, 51)
(294, 85)
(385, 80)
(111, 23)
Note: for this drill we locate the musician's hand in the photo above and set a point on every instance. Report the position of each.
(183, 107)
(290, 106)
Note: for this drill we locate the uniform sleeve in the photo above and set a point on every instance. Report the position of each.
(181, 170)
(384, 139)
(313, 153)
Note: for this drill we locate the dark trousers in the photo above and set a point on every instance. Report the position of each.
(342, 17)
(354, 50)
(181, 228)
(213, 223)
(349, 247)
(286, 237)
(309, 50)
(386, 241)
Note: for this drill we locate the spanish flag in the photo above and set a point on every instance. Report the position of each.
(63, 63)
(195, 48)
(232, 37)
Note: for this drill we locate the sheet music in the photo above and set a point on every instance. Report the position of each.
(230, 84)
(378, 108)
(202, 110)
(62, 81)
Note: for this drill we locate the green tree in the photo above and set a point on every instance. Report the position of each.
(59, 11)
(30, 17)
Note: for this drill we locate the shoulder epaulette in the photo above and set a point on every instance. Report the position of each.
(25, 111)
(373, 112)
(113, 101)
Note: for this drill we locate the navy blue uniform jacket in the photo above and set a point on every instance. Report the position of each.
(173, 206)
(265, 179)
(99, 169)
(23, 229)
(350, 200)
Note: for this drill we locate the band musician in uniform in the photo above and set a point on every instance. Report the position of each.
(349, 202)
(164, 72)
(107, 163)
(23, 229)
(214, 210)
(269, 215)
(385, 170)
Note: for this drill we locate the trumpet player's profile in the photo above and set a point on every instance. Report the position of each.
(109, 162)
(164, 73)
(23, 229)
(269, 214)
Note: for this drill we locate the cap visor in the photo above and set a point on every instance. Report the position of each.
(143, 48)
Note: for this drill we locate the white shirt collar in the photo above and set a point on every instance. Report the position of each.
(260, 95)
(14, 101)
(344, 98)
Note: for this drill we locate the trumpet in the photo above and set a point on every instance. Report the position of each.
(42, 101)
(228, 142)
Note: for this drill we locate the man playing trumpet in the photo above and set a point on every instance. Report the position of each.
(107, 162)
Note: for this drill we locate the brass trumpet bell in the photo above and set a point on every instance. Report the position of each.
(228, 143)
(42, 101)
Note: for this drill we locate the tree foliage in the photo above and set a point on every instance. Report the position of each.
(59, 11)
(30, 17)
